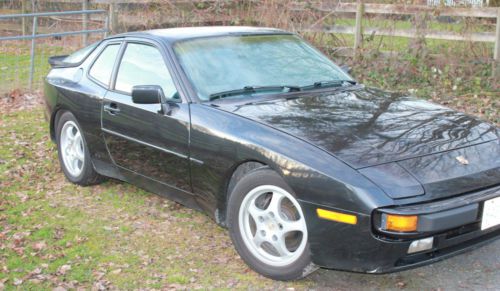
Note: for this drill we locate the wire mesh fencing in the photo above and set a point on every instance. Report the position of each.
(27, 40)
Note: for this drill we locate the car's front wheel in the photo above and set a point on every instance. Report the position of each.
(73, 153)
(267, 226)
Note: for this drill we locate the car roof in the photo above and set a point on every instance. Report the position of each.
(183, 33)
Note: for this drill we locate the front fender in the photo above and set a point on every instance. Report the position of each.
(221, 140)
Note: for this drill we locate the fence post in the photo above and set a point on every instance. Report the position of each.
(24, 21)
(85, 22)
(32, 54)
(358, 34)
(496, 53)
(113, 20)
(106, 25)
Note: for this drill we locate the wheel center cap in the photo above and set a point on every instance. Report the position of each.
(271, 226)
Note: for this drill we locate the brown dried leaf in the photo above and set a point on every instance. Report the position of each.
(38, 246)
(63, 269)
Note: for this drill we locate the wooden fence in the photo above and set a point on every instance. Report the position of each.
(361, 10)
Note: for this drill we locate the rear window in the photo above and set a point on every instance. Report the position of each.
(80, 55)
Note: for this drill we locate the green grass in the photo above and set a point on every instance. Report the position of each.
(402, 44)
(398, 44)
(15, 64)
(112, 234)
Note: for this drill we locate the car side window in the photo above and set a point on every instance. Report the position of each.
(143, 64)
(102, 68)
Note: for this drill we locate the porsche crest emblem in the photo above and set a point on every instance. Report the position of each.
(462, 160)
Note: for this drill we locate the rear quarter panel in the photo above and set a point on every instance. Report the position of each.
(69, 89)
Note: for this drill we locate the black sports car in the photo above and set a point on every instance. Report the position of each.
(258, 129)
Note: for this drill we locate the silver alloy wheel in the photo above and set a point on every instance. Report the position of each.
(72, 150)
(272, 225)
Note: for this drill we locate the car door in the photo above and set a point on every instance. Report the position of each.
(140, 138)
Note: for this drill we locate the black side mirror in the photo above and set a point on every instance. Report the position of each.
(150, 94)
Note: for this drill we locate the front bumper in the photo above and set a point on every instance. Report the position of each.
(361, 248)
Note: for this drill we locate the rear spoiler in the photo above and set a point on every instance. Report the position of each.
(58, 62)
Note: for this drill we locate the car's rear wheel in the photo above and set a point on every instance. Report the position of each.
(73, 153)
(268, 227)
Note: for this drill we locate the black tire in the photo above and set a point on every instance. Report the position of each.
(88, 175)
(299, 268)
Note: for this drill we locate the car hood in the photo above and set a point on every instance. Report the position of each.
(366, 127)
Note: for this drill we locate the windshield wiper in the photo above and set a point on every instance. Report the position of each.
(330, 83)
(252, 89)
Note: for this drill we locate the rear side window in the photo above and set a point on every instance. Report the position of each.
(103, 67)
(143, 65)
(80, 55)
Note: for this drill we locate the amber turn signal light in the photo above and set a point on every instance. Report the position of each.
(400, 223)
(337, 216)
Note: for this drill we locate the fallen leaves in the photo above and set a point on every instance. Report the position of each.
(23, 197)
(18, 100)
(58, 233)
(38, 246)
(101, 285)
(63, 269)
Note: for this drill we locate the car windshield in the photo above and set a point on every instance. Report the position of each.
(239, 63)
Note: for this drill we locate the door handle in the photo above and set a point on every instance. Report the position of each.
(111, 108)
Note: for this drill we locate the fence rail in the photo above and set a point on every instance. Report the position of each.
(35, 17)
(409, 33)
(361, 9)
(42, 14)
(399, 9)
